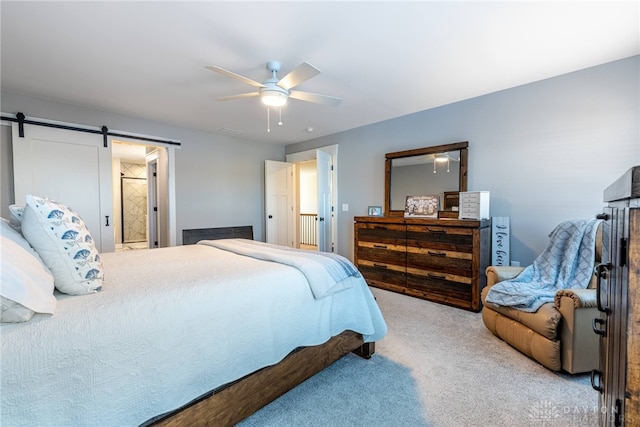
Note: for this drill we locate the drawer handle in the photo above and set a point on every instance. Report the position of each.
(595, 373)
(436, 230)
(379, 227)
(597, 326)
(379, 265)
(380, 246)
(436, 276)
(440, 254)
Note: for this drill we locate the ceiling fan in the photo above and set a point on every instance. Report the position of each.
(274, 92)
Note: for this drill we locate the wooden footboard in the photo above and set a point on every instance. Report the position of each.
(235, 402)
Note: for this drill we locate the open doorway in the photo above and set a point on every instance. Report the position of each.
(307, 178)
(133, 203)
(315, 197)
(138, 209)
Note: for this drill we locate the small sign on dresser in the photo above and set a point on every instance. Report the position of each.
(474, 205)
(500, 237)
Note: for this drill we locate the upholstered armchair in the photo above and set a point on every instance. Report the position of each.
(559, 335)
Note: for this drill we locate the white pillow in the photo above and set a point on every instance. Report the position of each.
(64, 243)
(12, 312)
(26, 284)
(15, 217)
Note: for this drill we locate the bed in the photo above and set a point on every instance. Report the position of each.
(190, 335)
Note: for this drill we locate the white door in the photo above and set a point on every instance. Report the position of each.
(278, 178)
(323, 223)
(70, 167)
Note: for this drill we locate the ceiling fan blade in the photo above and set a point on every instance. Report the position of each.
(240, 96)
(331, 101)
(234, 75)
(298, 75)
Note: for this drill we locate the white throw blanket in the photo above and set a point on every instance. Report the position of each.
(325, 272)
(566, 263)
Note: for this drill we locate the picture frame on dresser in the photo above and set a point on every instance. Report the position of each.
(374, 211)
(421, 206)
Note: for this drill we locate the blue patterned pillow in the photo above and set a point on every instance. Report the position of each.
(64, 243)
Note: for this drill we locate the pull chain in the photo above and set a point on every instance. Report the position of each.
(269, 118)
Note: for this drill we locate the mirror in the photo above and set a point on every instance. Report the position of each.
(440, 170)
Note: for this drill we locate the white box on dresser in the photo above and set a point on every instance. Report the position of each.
(474, 205)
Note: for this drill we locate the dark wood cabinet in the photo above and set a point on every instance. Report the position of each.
(441, 260)
(618, 376)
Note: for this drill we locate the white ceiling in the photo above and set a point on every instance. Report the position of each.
(385, 59)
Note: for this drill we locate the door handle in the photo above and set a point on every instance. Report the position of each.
(597, 326)
(107, 218)
(595, 373)
(321, 218)
(601, 272)
(270, 216)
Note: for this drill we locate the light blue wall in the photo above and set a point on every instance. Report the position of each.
(545, 150)
(219, 179)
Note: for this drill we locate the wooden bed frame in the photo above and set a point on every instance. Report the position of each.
(234, 402)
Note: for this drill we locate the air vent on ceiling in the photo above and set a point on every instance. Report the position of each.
(229, 131)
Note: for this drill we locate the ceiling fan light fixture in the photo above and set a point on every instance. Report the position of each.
(442, 157)
(273, 98)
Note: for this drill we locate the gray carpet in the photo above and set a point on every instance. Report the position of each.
(437, 366)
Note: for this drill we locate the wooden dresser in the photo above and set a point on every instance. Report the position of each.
(441, 260)
(618, 377)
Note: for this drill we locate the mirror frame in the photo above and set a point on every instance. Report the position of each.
(463, 147)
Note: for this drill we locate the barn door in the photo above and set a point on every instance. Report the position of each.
(70, 167)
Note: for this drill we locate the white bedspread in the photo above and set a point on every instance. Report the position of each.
(169, 325)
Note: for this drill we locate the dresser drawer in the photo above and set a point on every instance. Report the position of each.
(445, 288)
(469, 209)
(443, 238)
(390, 234)
(442, 261)
(380, 273)
(384, 253)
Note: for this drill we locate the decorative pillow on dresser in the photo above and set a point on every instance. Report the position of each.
(26, 284)
(64, 243)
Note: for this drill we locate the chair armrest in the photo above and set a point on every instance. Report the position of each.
(581, 298)
(497, 274)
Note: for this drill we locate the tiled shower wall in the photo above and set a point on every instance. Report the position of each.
(134, 202)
